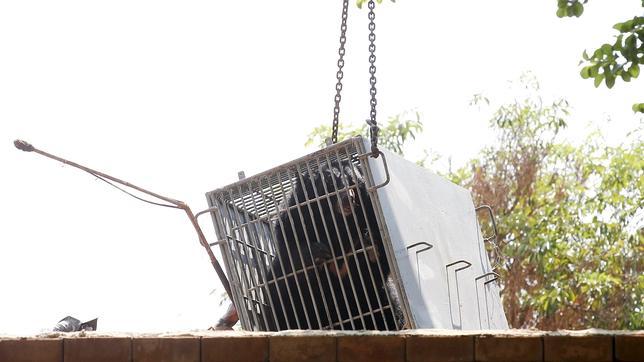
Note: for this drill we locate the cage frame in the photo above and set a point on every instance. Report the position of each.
(352, 148)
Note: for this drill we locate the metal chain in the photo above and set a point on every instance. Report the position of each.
(372, 80)
(340, 74)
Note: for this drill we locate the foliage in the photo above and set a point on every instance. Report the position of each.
(393, 135)
(621, 59)
(570, 218)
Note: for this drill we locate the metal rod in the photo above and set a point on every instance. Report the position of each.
(371, 232)
(347, 222)
(290, 260)
(478, 303)
(329, 164)
(238, 260)
(260, 275)
(280, 260)
(267, 261)
(27, 147)
(297, 242)
(319, 240)
(370, 272)
(311, 267)
(428, 246)
(333, 252)
(302, 219)
(458, 295)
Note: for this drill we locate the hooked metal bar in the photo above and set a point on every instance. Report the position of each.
(458, 295)
(491, 213)
(384, 163)
(427, 247)
(27, 147)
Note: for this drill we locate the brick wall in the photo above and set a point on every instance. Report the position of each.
(412, 346)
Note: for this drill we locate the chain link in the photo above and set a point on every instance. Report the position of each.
(373, 124)
(340, 74)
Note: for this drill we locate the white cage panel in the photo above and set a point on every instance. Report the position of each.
(440, 253)
(318, 244)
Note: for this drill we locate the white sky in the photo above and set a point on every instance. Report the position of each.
(177, 96)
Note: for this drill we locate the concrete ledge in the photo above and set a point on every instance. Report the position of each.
(509, 348)
(430, 348)
(99, 349)
(629, 348)
(178, 349)
(28, 350)
(368, 348)
(410, 346)
(245, 348)
(578, 348)
(320, 348)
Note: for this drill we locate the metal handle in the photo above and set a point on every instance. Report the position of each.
(492, 239)
(458, 294)
(208, 211)
(478, 303)
(427, 247)
(491, 213)
(457, 262)
(496, 277)
(384, 164)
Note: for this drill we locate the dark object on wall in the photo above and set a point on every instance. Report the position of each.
(71, 324)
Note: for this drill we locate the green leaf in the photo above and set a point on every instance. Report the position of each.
(610, 80)
(578, 9)
(618, 43)
(598, 80)
(585, 72)
(626, 77)
(585, 56)
(631, 41)
(594, 70)
(597, 54)
(634, 70)
(624, 27)
(638, 20)
(607, 49)
(638, 107)
(561, 12)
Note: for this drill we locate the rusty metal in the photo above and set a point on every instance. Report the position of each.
(372, 122)
(27, 147)
(491, 239)
(339, 74)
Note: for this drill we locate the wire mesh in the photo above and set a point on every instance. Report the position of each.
(303, 245)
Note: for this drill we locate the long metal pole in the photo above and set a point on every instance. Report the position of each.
(27, 147)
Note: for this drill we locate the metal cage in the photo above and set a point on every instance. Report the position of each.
(316, 244)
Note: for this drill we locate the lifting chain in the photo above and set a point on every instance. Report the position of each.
(340, 74)
(373, 125)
